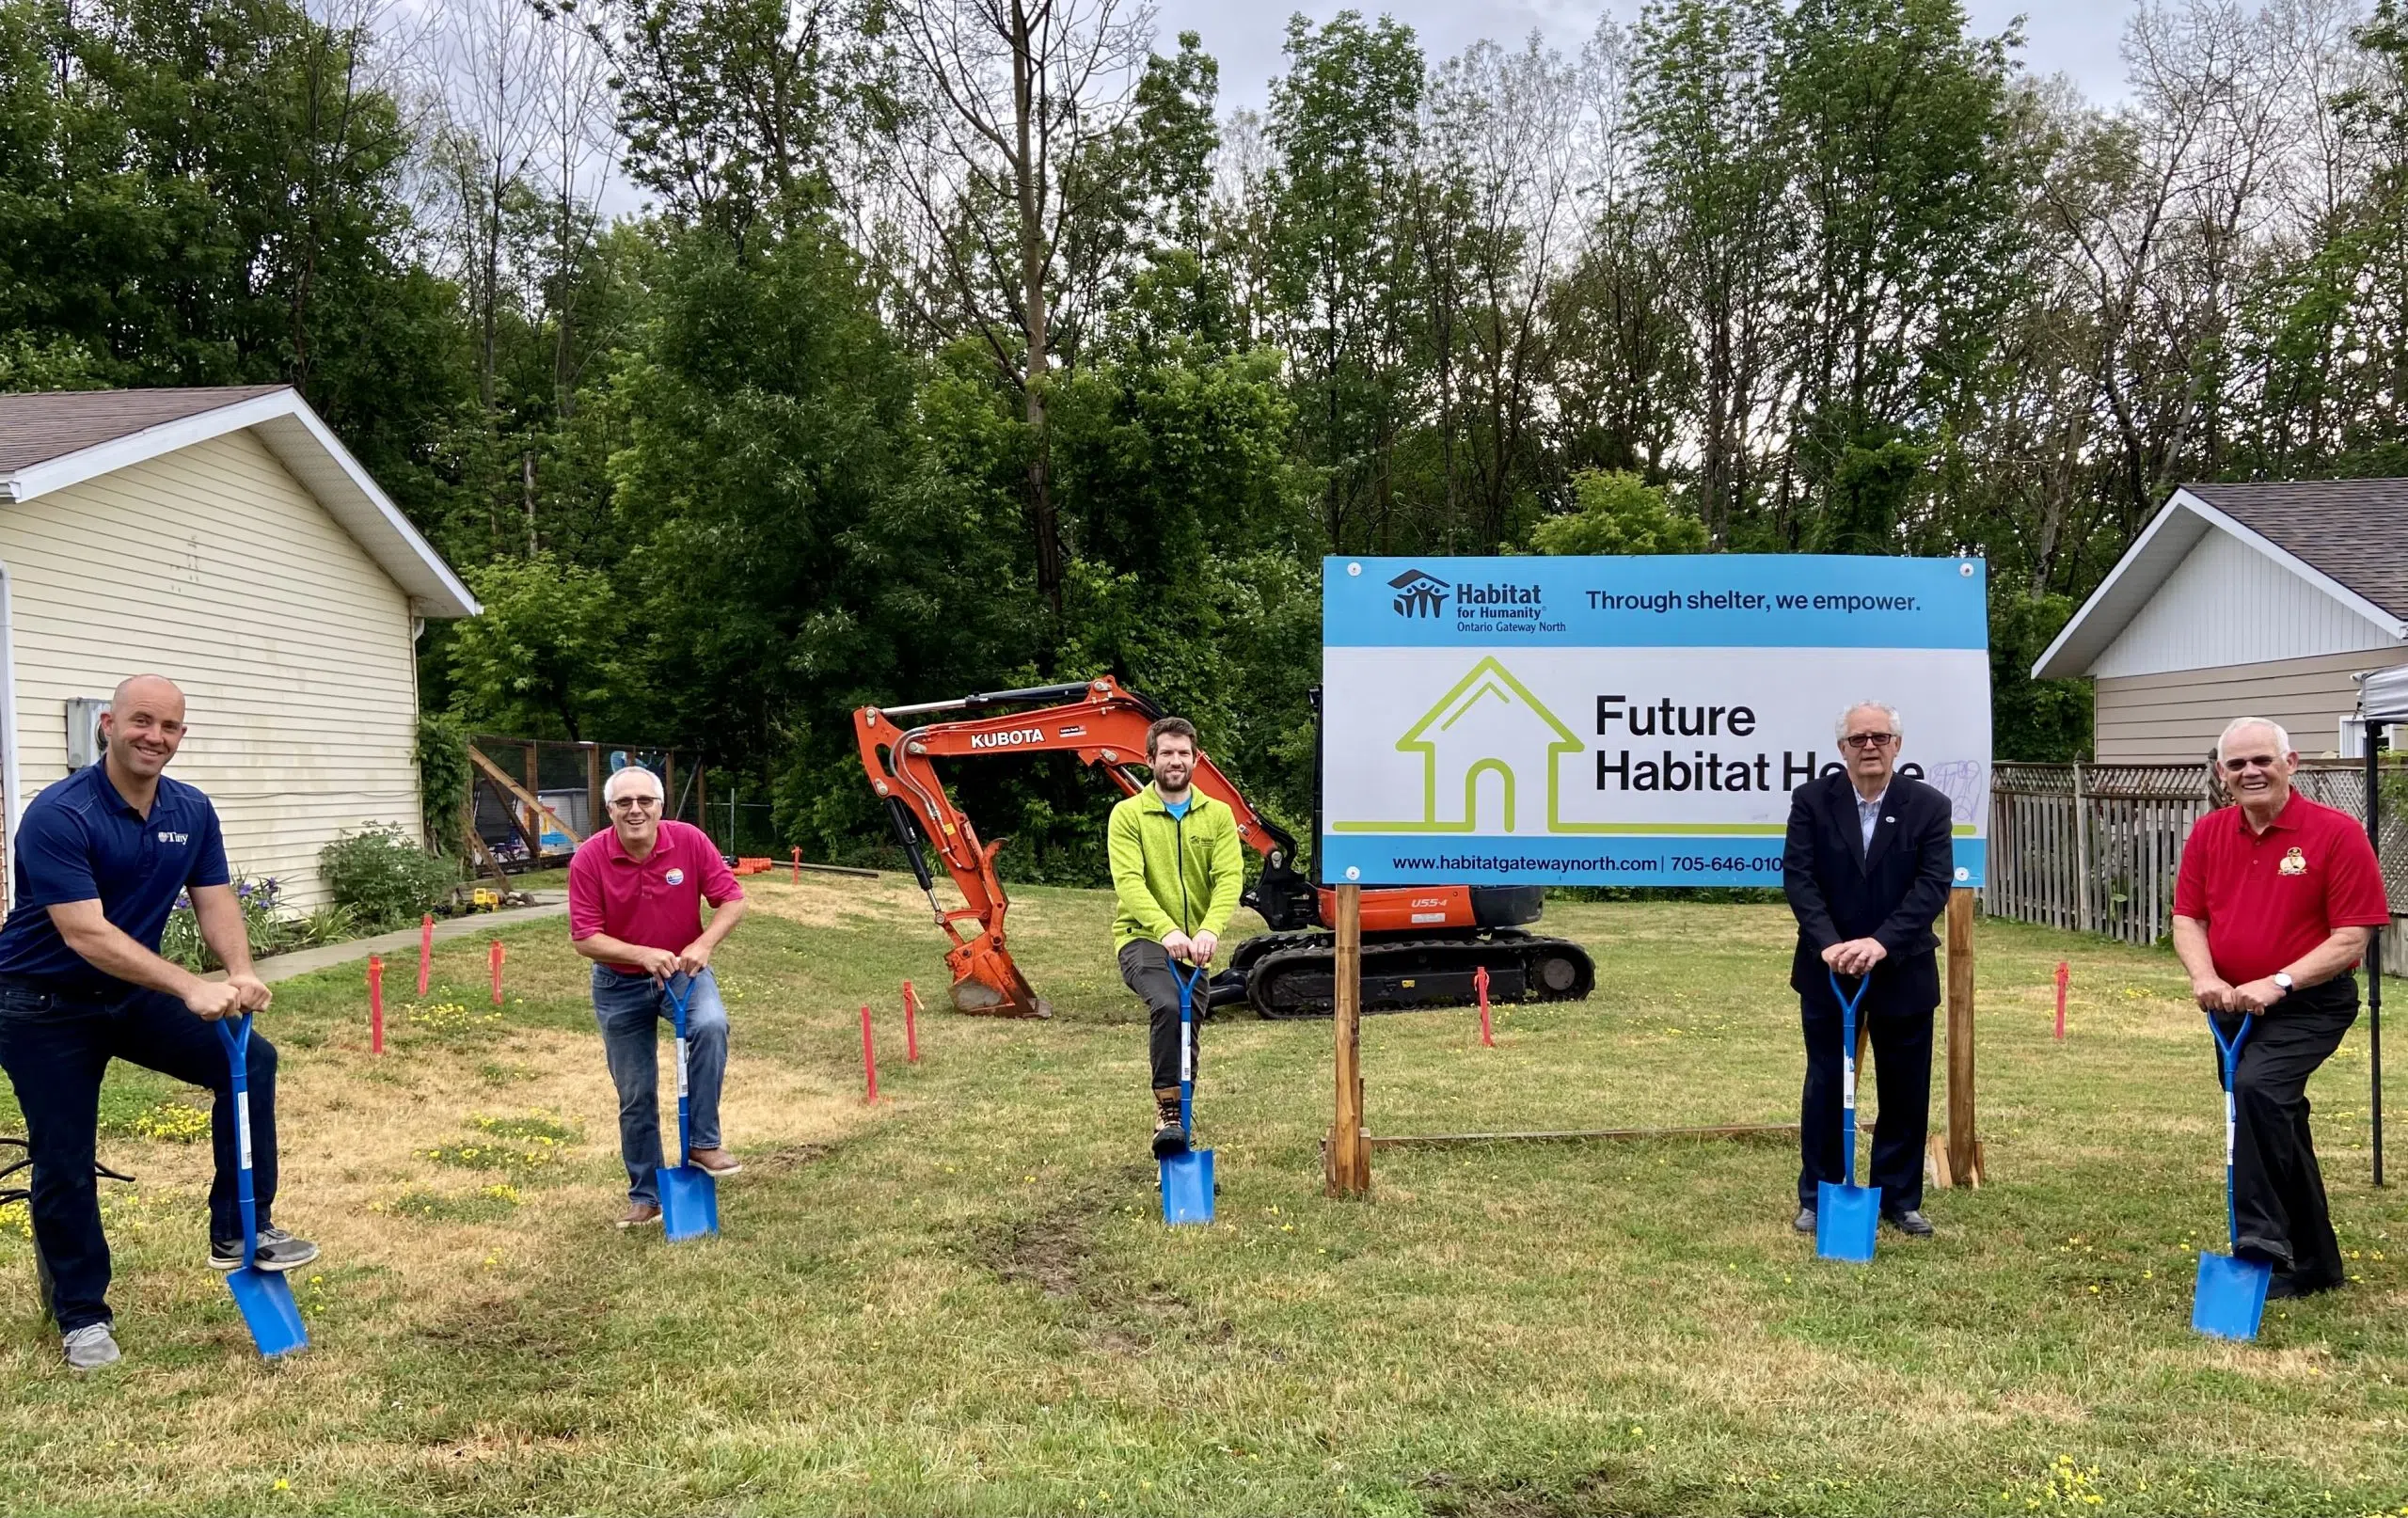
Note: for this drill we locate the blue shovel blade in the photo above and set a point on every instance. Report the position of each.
(688, 1201)
(265, 1300)
(1187, 1187)
(1844, 1220)
(2231, 1297)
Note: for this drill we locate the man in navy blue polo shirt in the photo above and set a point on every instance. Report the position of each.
(100, 858)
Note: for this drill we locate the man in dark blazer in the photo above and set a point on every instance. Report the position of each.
(1866, 869)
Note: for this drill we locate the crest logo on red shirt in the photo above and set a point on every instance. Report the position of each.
(2293, 863)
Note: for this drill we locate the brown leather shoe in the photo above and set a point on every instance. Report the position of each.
(716, 1164)
(640, 1215)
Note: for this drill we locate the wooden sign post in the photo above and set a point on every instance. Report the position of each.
(1347, 1158)
(1959, 1161)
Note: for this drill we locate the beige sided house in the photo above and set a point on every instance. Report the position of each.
(223, 538)
(2261, 600)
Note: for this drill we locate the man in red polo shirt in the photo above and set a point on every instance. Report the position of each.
(635, 904)
(2272, 907)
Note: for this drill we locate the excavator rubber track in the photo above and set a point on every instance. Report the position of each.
(1293, 975)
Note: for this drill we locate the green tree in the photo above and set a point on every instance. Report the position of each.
(1617, 512)
(209, 192)
(1343, 124)
(546, 658)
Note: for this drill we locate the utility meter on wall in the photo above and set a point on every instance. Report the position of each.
(85, 744)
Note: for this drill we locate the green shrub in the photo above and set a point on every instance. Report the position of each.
(384, 879)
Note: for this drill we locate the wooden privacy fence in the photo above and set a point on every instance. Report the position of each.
(2094, 848)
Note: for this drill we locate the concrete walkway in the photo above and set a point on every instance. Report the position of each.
(302, 961)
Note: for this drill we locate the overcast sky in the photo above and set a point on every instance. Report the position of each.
(2076, 37)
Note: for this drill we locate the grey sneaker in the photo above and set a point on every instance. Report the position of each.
(277, 1251)
(1804, 1222)
(91, 1347)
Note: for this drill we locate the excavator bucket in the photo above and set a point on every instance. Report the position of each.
(987, 984)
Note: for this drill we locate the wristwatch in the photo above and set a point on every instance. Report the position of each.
(2283, 979)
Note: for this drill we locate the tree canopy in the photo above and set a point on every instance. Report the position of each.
(755, 359)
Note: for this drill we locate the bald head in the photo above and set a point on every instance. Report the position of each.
(144, 727)
(155, 689)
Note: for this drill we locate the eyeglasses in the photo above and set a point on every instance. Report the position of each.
(623, 803)
(2254, 761)
(1869, 740)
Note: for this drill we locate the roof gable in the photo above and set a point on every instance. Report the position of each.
(52, 440)
(2167, 542)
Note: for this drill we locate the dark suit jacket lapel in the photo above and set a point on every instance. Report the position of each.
(1842, 804)
(1884, 827)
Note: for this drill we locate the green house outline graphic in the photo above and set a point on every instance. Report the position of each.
(1487, 679)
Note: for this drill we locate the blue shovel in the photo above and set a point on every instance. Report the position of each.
(264, 1298)
(1187, 1177)
(2230, 1299)
(689, 1196)
(1845, 1213)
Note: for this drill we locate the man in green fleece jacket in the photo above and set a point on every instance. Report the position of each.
(1178, 870)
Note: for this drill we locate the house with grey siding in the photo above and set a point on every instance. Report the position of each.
(2263, 599)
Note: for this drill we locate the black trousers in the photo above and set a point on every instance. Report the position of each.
(1145, 970)
(55, 1050)
(1901, 1029)
(2277, 1192)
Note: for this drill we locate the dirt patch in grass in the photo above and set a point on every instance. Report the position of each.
(1048, 1251)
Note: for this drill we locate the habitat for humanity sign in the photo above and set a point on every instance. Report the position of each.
(1631, 721)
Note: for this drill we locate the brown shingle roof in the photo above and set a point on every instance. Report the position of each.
(48, 424)
(2355, 531)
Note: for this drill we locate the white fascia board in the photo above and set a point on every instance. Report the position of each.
(2395, 627)
(408, 557)
(2078, 641)
(38, 480)
(2087, 633)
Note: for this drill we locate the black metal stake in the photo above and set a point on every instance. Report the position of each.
(2374, 949)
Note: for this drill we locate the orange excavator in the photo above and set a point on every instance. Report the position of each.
(1423, 946)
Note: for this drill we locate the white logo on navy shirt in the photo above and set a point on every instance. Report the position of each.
(166, 837)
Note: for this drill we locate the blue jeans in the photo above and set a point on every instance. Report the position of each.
(630, 1010)
(55, 1046)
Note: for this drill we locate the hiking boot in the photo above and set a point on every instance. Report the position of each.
(1171, 1135)
(1804, 1222)
(277, 1251)
(715, 1162)
(91, 1347)
(640, 1215)
(1909, 1221)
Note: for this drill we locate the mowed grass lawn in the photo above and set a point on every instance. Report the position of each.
(962, 1299)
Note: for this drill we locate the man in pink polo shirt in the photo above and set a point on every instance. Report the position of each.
(635, 905)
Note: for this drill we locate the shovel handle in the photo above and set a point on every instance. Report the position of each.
(677, 1004)
(1848, 1064)
(235, 1034)
(2230, 1052)
(1187, 983)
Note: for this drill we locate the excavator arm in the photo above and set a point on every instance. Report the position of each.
(1101, 722)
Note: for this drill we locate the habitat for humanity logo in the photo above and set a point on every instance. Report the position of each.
(1419, 593)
